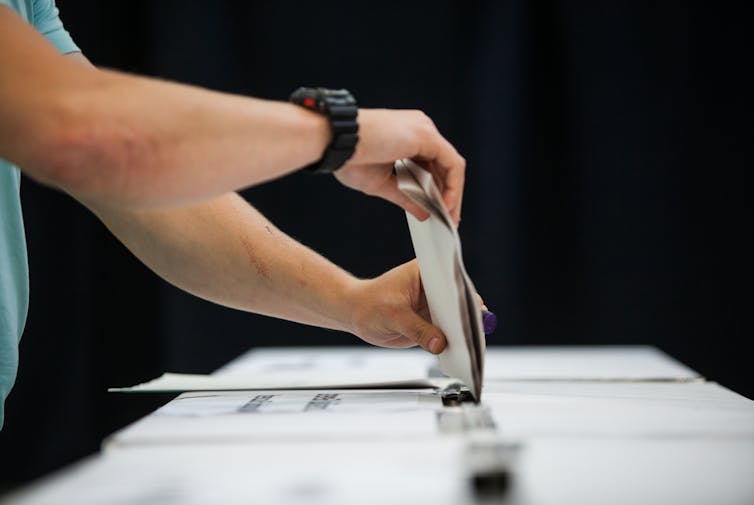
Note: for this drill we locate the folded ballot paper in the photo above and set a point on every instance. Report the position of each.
(450, 294)
(452, 304)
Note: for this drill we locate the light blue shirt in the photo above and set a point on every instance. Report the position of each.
(14, 270)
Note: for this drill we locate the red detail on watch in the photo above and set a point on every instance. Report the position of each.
(309, 102)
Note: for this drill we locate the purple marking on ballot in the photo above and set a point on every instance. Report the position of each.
(489, 322)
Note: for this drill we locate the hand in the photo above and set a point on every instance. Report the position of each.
(391, 311)
(389, 135)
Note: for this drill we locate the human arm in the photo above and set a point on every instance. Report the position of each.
(137, 142)
(225, 251)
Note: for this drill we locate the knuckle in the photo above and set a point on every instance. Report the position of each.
(424, 336)
(420, 334)
(423, 119)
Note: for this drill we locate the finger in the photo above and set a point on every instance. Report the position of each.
(456, 212)
(399, 342)
(415, 328)
(390, 192)
(450, 167)
(481, 301)
(438, 174)
(455, 178)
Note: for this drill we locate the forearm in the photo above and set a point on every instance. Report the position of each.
(138, 142)
(225, 251)
(174, 144)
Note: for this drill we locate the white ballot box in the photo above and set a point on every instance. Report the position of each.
(629, 471)
(587, 363)
(557, 425)
(265, 473)
(528, 410)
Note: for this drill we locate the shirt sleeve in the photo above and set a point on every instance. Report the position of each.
(46, 18)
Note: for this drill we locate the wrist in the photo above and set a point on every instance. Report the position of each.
(333, 304)
(338, 106)
(352, 304)
(311, 130)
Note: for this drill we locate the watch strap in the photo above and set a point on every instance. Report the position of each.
(340, 108)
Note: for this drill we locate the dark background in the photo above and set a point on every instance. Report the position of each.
(607, 145)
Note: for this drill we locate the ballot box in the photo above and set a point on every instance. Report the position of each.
(551, 363)
(555, 425)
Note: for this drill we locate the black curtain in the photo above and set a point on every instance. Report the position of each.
(607, 145)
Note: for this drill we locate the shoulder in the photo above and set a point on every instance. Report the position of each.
(46, 19)
(23, 8)
(44, 16)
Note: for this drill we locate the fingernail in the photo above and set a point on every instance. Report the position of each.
(489, 322)
(435, 345)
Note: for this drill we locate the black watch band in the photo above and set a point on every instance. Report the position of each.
(340, 108)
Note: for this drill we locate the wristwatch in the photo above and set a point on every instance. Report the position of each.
(340, 108)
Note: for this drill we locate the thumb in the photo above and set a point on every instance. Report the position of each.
(412, 326)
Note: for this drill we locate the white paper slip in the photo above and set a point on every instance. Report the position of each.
(220, 403)
(275, 416)
(178, 383)
(450, 294)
